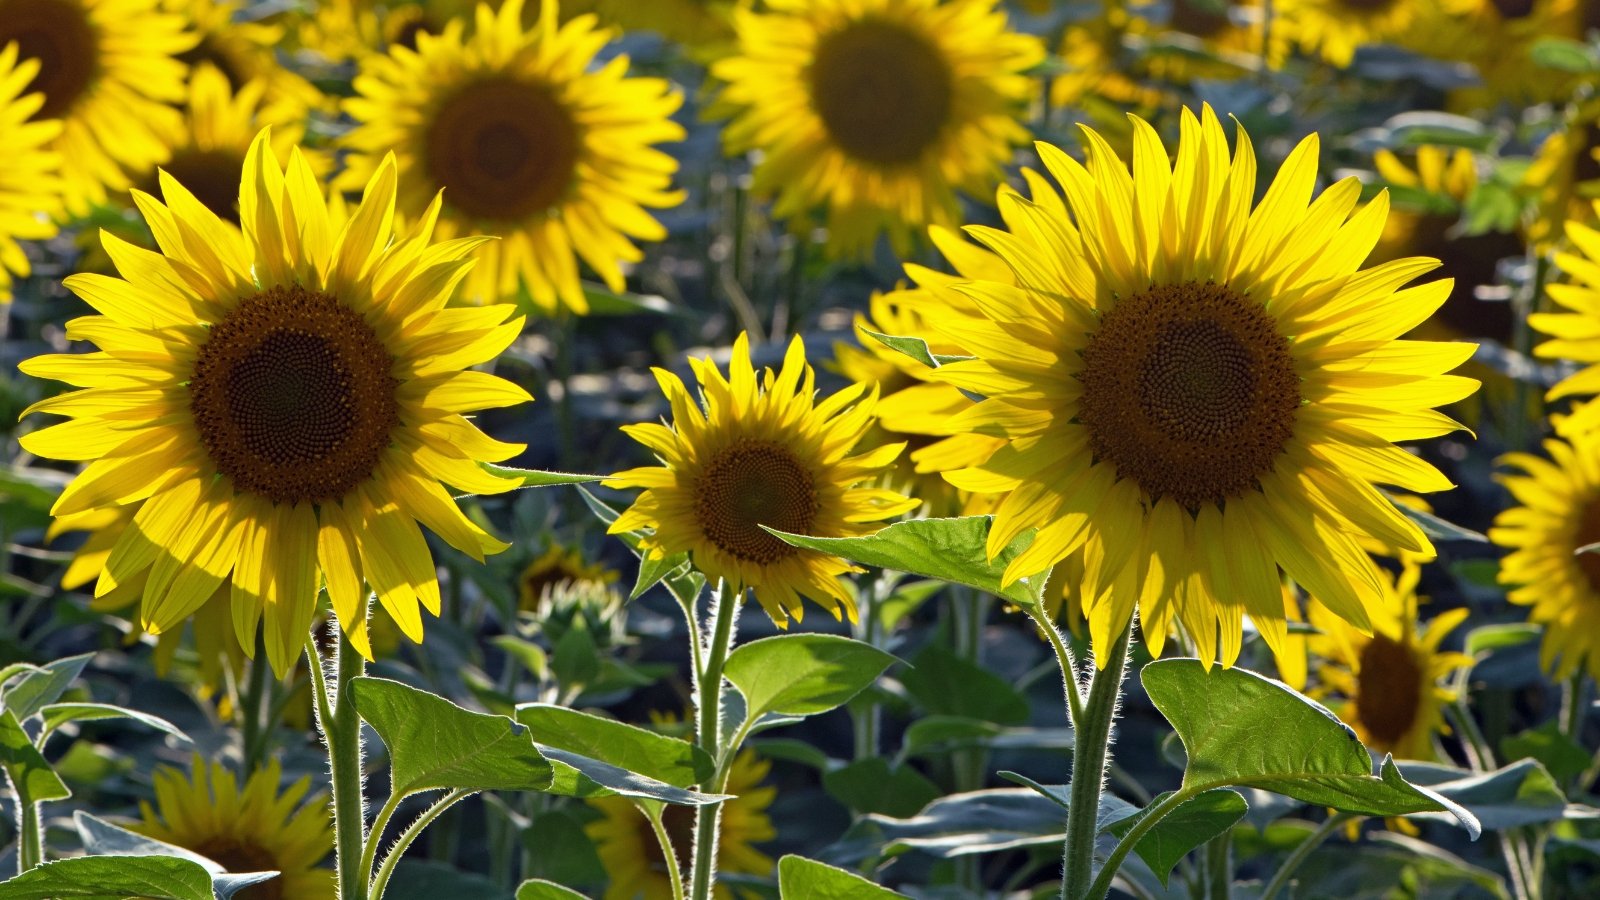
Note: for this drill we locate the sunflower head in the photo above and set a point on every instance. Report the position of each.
(560, 567)
(29, 169)
(281, 405)
(1191, 389)
(761, 452)
(1577, 302)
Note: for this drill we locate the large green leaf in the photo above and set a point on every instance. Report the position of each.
(666, 759)
(1522, 793)
(538, 889)
(986, 821)
(932, 735)
(31, 777)
(45, 684)
(674, 571)
(1242, 729)
(802, 674)
(435, 744)
(806, 879)
(112, 878)
(1194, 822)
(538, 478)
(57, 714)
(871, 785)
(946, 549)
(576, 775)
(947, 685)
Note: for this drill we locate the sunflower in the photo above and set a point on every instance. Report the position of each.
(283, 405)
(1564, 177)
(879, 110)
(1558, 515)
(342, 31)
(1497, 38)
(254, 830)
(107, 70)
(632, 855)
(1194, 394)
(762, 452)
(528, 143)
(558, 568)
(1234, 35)
(245, 51)
(1571, 331)
(28, 179)
(703, 27)
(1335, 28)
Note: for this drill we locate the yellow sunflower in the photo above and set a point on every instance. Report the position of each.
(350, 30)
(29, 184)
(632, 855)
(1571, 330)
(1386, 685)
(1334, 29)
(762, 452)
(879, 110)
(529, 143)
(703, 27)
(1564, 177)
(1497, 38)
(559, 567)
(1235, 36)
(1195, 394)
(1559, 513)
(107, 70)
(253, 830)
(245, 51)
(283, 405)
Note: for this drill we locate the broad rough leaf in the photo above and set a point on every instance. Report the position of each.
(1194, 822)
(803, 674)
(1239, 728)
(576, 775)
(30, 776)
(948, 685)
(932, 735)
(986, 821)
(31, 692)
(538, 478)
(112, 878)
(666, 759)
(806, 879)
(102, 838)
(1522, 793)
(435, 744)
(871, 785)
(57, 714)
(539, 889)
(946, 549)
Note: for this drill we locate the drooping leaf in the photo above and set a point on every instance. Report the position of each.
(532, 478)
(1239, 728)
(102, 838)
(666, 759)
(1438, 529)
(111, 878)
(1486, 638)
(986, 821)
(806, 879)
(937, 734)
(435, 744)
(871, 785)
(538, 889)
(57, 714)
(1522, 793)
(31, 777)
(802, 674)
(603, 301)
(948, 685)
(43, 685)
(914, 347)
(946, 549)
(1559, 754)
(674, 571)
(576, 775)
(1194, 822)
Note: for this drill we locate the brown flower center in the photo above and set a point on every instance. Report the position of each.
(59, 35)
(883, 92)
(502, 149)
(293, 397)
(750, 484)
(1367, 6)
(1589, 533)
(1388, 691)
(1189, 390)
(212, 176)
(1199, 17)
(1514, 9)
(209, 50)
(239, 857)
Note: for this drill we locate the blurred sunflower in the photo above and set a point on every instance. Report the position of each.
(1558, 515)
(245, 51)
(558, 567)
(254, 830)
(703, 27)
(1497, 38)
(107, 70)
(632, 855)
(1221, 41)
(282, 405)
(1386, 685)
(1335, 28)
(342, 31)
(1565, 175)
(1571, 330)
(1194, 394)
(879, 110)
(761, 452)
(28, 169)
(1101, 76)
(528, 143)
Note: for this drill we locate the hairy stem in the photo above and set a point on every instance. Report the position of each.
(667, 853)
(708, 729)
(1280, 879)
(30, 839)
(341, 733)
(380, 882)
(1102, 882)
(1091, 748)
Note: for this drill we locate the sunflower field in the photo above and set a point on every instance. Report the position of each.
(800, 449)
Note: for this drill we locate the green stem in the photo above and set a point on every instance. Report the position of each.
(1280, 879)
(341, 732)
(380, 883)
(254, 708)
(369, 854)
(30, 840)
(1219, 867)
(1108, 872)
(667, 853)
(1069, 666)
(708, 728)
(1091, 746)
(1572, 706)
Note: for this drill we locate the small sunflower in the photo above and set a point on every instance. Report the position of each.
(559, 567)
(107, 70)
(1571, 330)
(1558, 515)
(879, 110)
(703, 27)
(245, 52)
(632, 855)
(1386, 685)
(28, 168)
(1194, 393)
(282, 406)
(1497, 38)
(342, 31)
(1565, 175)
(253, 830)
(528, 142)
(761, 452)
(1335, 28)
(1232, 37)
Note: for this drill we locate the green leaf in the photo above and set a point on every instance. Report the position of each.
(802, 674)
(870, 785)
(1239, 728)
(1488, 638)
(947, 549)
(44, 685)
(1522, 793)
(947, 685)
(1194, 822)
(986, 821)
(31, 777)
(101, 838)
(603, 301)
(530, 655)
(435, 744)
(57, 714)
(914, 347)
(112, 878)
(1559, 754)
(532, 478)
(560, 850)
(674, 571)
(666, 759)
(1438, 529)
(806, 879)
(580, 776)
(1563, 55)
(538, 889)
(576, 660)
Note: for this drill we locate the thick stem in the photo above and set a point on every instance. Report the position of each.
(30, 839)
(1091, 747)
(673, 875)
(1219, 867)
(341, 732)
(1108, 872)
(380, 882)
(1280, 879)
(254, 708)
(1572, 706)
(1069, 666)
(708, 728)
